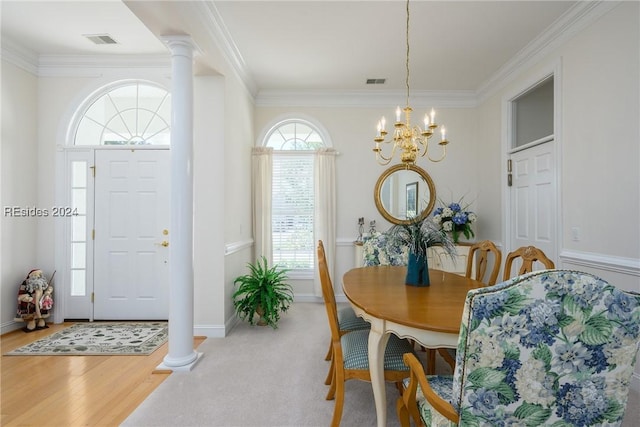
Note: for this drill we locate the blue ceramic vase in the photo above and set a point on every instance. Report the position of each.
(417, 271)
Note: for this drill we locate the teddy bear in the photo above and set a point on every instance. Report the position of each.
(34, 301)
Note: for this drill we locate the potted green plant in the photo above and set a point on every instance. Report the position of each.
(264, 291)
(418, 236)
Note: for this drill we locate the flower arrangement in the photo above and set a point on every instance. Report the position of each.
(417, 236)
(455, 219)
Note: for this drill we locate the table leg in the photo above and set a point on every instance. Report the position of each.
(377, 345)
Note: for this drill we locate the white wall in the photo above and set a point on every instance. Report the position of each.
(18, 186)
(600, 144)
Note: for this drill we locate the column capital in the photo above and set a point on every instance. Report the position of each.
(180, 45)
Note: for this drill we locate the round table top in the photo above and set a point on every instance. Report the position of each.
(381, 292)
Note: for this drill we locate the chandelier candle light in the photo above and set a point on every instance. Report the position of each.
(412, 141)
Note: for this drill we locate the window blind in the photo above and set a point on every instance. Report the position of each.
(292, 211)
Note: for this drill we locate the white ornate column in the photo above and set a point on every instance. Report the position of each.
(181, 355)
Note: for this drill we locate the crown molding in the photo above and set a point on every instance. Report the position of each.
(95, 65)
(363, 98)
(19, 56)
(219, 33)
(574, 20)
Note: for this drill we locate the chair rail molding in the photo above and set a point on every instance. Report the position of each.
(628, 266)
(233, 247)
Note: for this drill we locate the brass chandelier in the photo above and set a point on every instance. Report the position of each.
(410, 141)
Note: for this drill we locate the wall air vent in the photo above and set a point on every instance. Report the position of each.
(376, 81)
(100, 38)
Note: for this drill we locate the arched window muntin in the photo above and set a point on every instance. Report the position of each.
(296, 133)
(124, 113)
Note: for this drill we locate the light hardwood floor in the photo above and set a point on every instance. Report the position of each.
(73, 390)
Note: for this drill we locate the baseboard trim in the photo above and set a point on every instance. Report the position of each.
(10, 326)
(210, 331)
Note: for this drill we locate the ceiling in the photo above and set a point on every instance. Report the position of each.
(300, 45)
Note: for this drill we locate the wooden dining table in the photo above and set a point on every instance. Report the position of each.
(429, 315)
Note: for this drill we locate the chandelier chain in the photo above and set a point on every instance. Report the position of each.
(407, 80)
(409, 140)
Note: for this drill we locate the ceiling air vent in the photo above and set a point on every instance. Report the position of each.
(376, 81)
(101, 38)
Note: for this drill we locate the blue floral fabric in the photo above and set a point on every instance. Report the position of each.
(555, 347)
(377, 250)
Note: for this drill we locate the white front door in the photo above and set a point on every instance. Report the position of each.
(533, 199)
(131, 252)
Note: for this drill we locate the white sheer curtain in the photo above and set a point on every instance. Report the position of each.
(262, 163)
(325, 208)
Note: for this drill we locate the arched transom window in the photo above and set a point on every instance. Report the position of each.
(136, 113)
(294, 135)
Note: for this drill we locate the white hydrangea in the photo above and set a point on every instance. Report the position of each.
(531, 383)
(447, 225)
(487, 353)
(437, 219)
(472, 217)
(447, 212)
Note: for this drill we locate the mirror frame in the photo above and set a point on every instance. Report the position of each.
(423, 174)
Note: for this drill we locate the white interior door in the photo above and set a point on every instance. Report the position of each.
(131, 252)
(533, 199)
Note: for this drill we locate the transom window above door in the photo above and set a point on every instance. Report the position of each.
(136, 113)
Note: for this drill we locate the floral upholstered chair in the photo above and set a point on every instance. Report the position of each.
(377, 250)
(552, 347)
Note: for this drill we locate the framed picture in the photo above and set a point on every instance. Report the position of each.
(412, 199)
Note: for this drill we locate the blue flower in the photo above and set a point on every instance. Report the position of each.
(570, 357)
(510, 367)
(438, 211)
(620, 305)
(582, 403)
(484, 401)
(460, 218)
(491, 305)
(455, 207)
(598, 360)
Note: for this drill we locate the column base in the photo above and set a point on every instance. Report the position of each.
(181, 368)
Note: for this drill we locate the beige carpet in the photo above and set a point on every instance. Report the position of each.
(262, 377)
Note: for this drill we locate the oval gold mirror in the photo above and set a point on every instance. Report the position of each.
(404, 194)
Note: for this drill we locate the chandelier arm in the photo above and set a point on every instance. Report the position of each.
(444, 154)
(385, 161)
(393, 153)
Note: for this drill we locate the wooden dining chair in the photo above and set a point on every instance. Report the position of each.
(350, 358)
(483, 249)
(347, 322)
(529, 255)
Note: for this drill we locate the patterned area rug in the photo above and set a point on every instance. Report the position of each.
(99, 338)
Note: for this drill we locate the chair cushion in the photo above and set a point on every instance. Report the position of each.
(348, 321)
(356, 353)
(443, 386)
